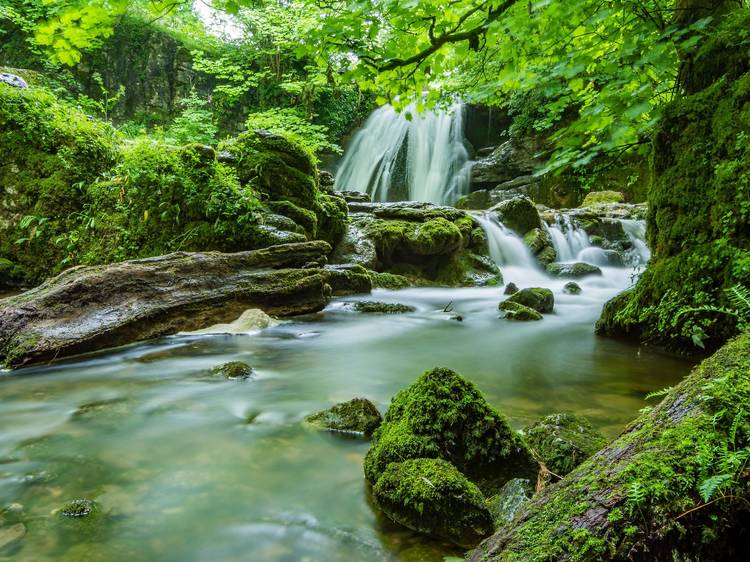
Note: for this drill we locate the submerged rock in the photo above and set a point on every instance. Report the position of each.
(442, 415)
(79, 508)
(11, 534)
(538, 298)
(431, 496)
(251, 320)
(572, 288)
(382, 307)
(233, 370)
(358, 415)
(504, 506)
(516, 311)
(573, 270)
(563, 441)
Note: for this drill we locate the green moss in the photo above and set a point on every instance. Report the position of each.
(382, 307)
(443, 415)
(537, 298)
(572, 270)
(388, 281)
(651, 477)
(598, 197)
(79, 508)
(698, 207)
(233, 370)
(516, 311)
(431, 496)
(563, 441)
(519, 214)
(358, 415)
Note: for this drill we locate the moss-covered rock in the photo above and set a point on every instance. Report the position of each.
(79, 508)
(382, 307)
(442, 415)
(572, 288)
(233, 370)
(597, 197)
(431, 496)
(505, 504)
(519, 312)
(382, 280)
(49, 151)
(358, 415)
(573, 270)
(519, 214)
(511, 289)
(563, 441)
(540, 243)
(538, 298)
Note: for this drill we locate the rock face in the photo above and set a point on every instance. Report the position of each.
(431, 496)
(358, 415)
(573, 270)
(563, 441)
(90, 308)
(442, 415)
(596, 197)
(508, 161)
(537, 298)
(509, 500)
(355, 248)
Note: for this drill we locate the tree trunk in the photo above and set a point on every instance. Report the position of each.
(638, 498)
(90, 308)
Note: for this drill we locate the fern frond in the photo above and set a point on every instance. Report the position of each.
(739, 296)
(708, 487)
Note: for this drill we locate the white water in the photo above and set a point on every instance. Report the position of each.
(636, 232)
(568, 240)
(436, 157)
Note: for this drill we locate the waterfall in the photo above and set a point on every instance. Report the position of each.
(568, 240)
(435, 159)
(636, 233)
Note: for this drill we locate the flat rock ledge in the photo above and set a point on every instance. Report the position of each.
(89, 308)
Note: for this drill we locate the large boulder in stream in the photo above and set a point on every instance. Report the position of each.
(573, 270)
(89, 308)
(432, 496)
(425, 243)
(442, 415)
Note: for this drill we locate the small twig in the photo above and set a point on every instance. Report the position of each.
(730, 497)
(448, 307)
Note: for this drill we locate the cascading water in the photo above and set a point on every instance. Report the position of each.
(636, 233)
(506, 247)
(432, 147)
(568, 240)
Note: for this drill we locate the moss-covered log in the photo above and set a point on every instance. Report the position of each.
(89, 308)
(673, 486)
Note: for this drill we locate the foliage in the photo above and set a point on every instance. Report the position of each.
(291, 123)
(194, 124)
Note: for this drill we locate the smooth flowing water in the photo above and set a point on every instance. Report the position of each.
(426, 155)
(186, 468)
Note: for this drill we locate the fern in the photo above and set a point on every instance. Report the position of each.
(636, 493)
(708, 487)
(658, 393)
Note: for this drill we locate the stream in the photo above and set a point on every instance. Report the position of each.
(185, 467)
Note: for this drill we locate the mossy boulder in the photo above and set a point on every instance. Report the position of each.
(358, 415)
(573, 270)
(519, 214)
(511, 289)
(563, 441)
(540, 243)
(442, 415)
(49, 150)
(572, 288)
(233, 370)
(519, 312)
(600, 197)
(432, 496)
(375, 307)
(382, 280)
(539, 299)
